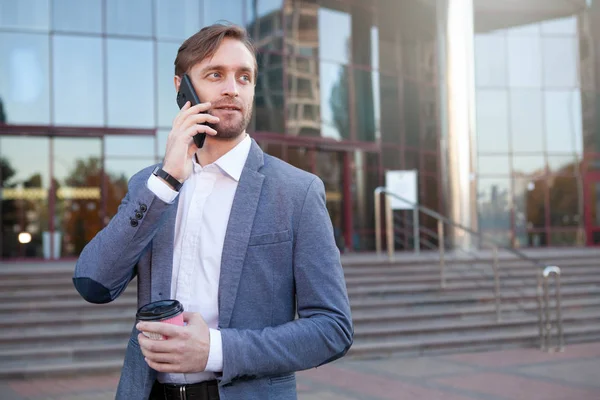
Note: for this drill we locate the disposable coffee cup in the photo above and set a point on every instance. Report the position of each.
(166, 311)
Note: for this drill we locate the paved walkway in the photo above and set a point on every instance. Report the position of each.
(521, 374)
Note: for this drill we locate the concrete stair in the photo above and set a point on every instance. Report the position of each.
(398, 308)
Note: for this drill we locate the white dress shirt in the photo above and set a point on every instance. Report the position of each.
(202, 216)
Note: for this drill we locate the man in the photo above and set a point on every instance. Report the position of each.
(243, 244)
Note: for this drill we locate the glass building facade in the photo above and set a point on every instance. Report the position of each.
(347, 89)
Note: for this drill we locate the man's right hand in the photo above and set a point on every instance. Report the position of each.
(180, 143)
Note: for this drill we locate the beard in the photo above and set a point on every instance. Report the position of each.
(233, 125)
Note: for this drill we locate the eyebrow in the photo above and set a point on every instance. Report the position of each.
(222, 68)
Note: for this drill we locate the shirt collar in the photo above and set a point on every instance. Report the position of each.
(232, 162)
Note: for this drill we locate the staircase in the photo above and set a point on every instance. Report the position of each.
(399, 308)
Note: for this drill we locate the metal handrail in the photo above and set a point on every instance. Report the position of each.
(543, 309)
(545, 320)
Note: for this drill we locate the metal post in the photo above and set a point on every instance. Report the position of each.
(416, 230)
(540, 294)
(378, 221)
(441, 246)
(548, 333)
(496, 283)
(389, 227)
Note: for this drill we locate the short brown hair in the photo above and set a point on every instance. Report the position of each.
(205, 43)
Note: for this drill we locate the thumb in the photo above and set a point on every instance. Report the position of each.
(192, 318)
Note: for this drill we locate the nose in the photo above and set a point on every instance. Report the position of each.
(230, 88)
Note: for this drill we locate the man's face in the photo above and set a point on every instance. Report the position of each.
(227, 81)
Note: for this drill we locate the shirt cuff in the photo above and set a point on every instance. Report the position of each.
(161, 189)
(215, 353)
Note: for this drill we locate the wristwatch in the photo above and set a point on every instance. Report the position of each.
(161, 173)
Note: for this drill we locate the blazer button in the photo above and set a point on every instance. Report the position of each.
(143, 208)
(133, 222)
(139, 215)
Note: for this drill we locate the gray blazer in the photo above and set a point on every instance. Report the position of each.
(279, 258)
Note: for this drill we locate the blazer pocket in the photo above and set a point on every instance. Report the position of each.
(282, 378)
(270, 238)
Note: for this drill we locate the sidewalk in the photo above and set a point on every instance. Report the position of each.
(520, 374)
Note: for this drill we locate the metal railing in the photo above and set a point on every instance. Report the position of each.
(542, 271)
(544, 316)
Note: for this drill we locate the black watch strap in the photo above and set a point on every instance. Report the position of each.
(161, 173)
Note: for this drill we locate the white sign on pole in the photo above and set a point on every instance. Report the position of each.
(403, 184)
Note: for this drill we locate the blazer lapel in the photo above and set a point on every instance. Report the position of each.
(238, 232)
(162, 256)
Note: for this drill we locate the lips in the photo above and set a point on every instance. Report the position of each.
(228, 108)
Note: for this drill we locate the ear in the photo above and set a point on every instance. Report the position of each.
(177, 82)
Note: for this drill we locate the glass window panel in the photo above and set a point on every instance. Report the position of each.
(335, 114)
(526, 120)
(362, 35)
(28, 14)
(524, 62)
(567, 238)
(563, 120)
(560, 62)
(131, 146)
(501, 237)
(565, 164)
(529, 203)
(334, 44)
(300, 157)
(562, 26)
(367, 110)
(263, 21)
(177, 20)
(300, 20)
(524, 30)
(493, 165)
(24, 164)
(531, 239)
(494, 203)
(269, 101)
(492, 121)
(564, 201)
(490, 60)
(78, 73)
(118, 172)
(24, 78)
(391, 158)
(131, 17)
(259, 9)
(528, 165)
(78, 172)
(167, 105)
(25, 157)
(388, 56)
(161, 143)
(273, 149)
(390, 109)
(375, 47)
(77, 16)
(227, 10)
(130, 83)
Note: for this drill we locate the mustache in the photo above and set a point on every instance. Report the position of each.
(228, 103)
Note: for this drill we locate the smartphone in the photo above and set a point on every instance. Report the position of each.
(187, 93)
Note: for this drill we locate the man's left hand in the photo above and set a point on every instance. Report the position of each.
(185, 350)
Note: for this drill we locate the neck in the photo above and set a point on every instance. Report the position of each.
(214, 149)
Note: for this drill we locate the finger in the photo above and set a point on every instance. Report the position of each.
(193, 130)
(183, 114)
(163, 367)
(199, 119)
(160, 328)
(192, 318)
(154, 346)
(163, 358)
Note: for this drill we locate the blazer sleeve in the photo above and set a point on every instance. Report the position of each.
(323, 332)
(107, 263)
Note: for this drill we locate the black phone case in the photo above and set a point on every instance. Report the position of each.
(187, 93)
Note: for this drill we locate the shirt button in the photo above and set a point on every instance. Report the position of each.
(139, 215)
(133, 222)
(143, 208)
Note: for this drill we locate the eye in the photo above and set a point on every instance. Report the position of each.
(215, 75)
(246, 78)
